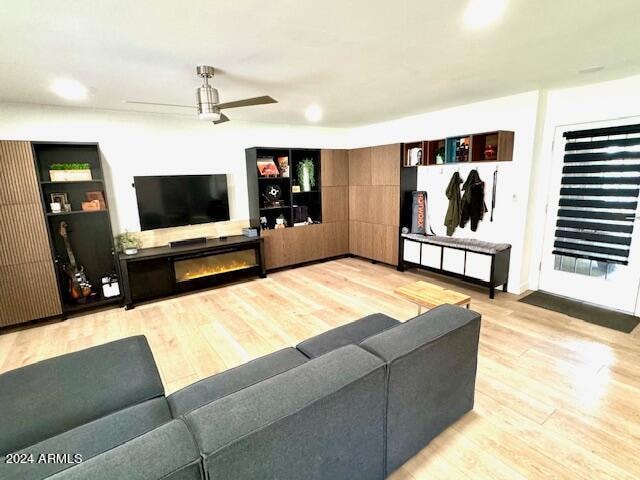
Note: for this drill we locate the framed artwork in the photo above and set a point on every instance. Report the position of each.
(267, 167)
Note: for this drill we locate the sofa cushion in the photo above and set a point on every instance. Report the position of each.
(167, 452)
(431, 363)
(349, 334)
(323, 419)
(90, 439)
(50, 397)
(229, 381)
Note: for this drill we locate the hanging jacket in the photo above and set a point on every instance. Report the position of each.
(472, 204)
(452, 219)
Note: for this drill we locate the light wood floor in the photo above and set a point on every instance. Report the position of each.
(556, 397)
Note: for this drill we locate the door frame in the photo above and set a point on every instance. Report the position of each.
(553, 195)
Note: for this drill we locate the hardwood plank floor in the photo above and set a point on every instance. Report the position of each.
(555, 397)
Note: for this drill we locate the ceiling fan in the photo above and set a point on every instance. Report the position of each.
(207, 100)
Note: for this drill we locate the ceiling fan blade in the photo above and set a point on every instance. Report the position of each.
(223, 118)
(158, 104)
(248, 102)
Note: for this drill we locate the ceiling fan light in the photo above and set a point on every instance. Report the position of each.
(206, 100)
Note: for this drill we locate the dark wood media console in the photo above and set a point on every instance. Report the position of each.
(164, 271)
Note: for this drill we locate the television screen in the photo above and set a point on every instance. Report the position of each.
(172, 201)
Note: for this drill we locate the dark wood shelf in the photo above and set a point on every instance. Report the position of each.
(98, 302)
(49, 182)
(274, 178)
(75, 212)
(309, 191)
(275, 208)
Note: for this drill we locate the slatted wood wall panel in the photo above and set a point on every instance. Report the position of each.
(17, 174)
(28, 292)
(24, 235)
(28, 288)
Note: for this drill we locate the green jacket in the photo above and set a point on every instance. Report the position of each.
(452, 219)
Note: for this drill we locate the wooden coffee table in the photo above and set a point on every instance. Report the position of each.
(428, 295)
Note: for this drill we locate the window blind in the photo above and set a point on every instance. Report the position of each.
(599, 194)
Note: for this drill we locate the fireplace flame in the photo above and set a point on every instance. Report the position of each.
(194, 268)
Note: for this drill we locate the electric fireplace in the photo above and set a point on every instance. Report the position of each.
(213, 264)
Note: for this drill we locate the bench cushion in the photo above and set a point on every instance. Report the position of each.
(47, 398)
(222, 384)
(90, 439)
(349, 334)
(470, 244)
(167, 452)
(323, 419)
(431, 361)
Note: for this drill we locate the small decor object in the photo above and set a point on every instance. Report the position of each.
(263, 223)
(110, 286)
(295, 188)
(62, 201)
(128, 243)
(490, 152)
(97, 196)
(91, 206)
(405, 230)
(69, 172)
(272, 194)
(56, 207)
(250, 232)
(415, 156)
(306, 175)
(440, 156)
(283, 166)
(267, 167)
(281, 222)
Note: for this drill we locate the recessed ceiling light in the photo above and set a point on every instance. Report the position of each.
(313, 113)
(69, 89)
(482, 13)
(592, 69)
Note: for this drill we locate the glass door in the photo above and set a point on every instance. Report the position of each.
(591, 249)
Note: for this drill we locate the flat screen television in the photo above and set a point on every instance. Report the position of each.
(173, 201)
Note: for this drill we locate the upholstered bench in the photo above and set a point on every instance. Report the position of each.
(485, 263)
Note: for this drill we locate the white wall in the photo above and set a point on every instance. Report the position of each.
(517, 113)
(592, 103)
(151, 144)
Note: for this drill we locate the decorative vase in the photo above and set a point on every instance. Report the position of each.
(490, 152)
(305, 180)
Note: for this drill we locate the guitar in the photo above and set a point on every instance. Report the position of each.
(79, 286)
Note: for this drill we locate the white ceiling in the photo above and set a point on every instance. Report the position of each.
(361, 60)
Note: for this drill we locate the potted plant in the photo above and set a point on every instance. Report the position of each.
(68, 172)
(128, 243)
(306, 175)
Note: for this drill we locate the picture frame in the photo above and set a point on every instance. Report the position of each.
(59, 197)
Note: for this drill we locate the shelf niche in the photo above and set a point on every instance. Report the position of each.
(477, 151)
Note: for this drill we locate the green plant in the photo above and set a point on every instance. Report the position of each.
(127, 240)
(308, 166)
(70, 166)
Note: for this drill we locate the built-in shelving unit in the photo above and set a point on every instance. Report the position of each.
(89, 231)
(293, 204)
(494, 146)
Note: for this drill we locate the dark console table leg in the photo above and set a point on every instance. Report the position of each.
(492, 292)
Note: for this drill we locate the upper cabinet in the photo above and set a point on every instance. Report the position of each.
(360, 166)
(385, 164)
(335, 168)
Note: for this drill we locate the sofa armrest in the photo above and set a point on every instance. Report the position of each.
(419, 331)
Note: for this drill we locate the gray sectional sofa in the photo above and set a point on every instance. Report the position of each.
(353, 403)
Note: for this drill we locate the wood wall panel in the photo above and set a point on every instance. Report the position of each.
(385, 164)
(274, 248)
(23, 237)
(335, 168)
(335, 204)
(18, 180)
(336, 239)
(28, 292)
(360, 166)
(385, 244)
